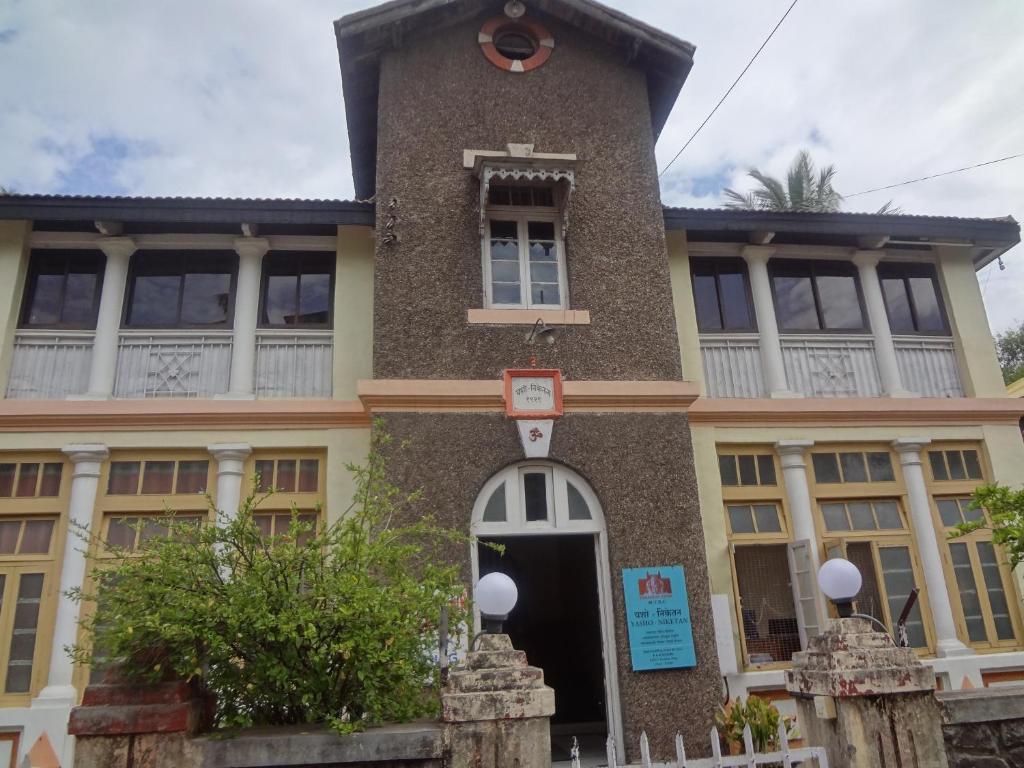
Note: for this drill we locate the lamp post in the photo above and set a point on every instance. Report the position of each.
(840, 581)
(496, 595)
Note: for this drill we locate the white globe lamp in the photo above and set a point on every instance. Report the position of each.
(495, 595)
(840, 581)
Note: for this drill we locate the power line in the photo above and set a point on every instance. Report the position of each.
(936, 175)
(735, 82)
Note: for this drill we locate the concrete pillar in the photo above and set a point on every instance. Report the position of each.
(867, 702)
(757, 257)
(793, 457)
(230, 474)
(497, 710)
(946, 641)
(353, 310)
(885, 349)
(52, 706)
(103, 369)
(14, 248)
(251, 251)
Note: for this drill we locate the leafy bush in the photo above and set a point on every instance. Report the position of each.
(762, 717)
(335, 624)
(1005, 508)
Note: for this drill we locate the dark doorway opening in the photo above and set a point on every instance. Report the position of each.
(557, 621)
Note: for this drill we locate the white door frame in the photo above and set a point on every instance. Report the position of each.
(558, 523)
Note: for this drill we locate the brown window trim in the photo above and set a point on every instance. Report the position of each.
(895, 270)
(29, 292)
(814, 268)
(293, 264)
(716, 267)
(184, 260)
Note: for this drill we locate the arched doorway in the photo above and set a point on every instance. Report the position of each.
(556, 549)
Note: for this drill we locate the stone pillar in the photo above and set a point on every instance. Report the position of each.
(497, 710)
(793, 457)
(885, 348)
(230, 474)
(125, 724)
(757, 257)
(103, 369)
(946, 641)
(251, 251)
(867, 702)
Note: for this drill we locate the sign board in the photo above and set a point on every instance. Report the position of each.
(533, 394)
(658, 617)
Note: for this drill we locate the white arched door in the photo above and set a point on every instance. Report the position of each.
(537, 498)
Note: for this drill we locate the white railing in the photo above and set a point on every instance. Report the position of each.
(294, 363)
(732, 365)
(173, 363)
(831, 366)
(928, 366)
(50, 364)
(786, 756)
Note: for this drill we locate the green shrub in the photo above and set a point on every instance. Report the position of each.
(336, 624)
(762, 717)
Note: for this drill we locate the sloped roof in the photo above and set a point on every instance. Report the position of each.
(364, 35)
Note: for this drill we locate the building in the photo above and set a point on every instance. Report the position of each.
(745, 394)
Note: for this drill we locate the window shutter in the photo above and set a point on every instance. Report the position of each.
(805, 590)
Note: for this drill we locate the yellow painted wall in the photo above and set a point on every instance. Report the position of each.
(686, 312)
(976, 350)
(353, 310)
(13, 263)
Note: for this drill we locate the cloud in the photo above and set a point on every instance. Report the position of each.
(243, 97)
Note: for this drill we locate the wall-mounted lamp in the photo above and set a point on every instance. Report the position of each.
(495, 595)
(541, 330)
(840, 581)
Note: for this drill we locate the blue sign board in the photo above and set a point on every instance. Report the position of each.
(658, 616)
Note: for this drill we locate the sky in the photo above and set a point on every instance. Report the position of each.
(242, 98)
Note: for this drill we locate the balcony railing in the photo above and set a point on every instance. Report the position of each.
(294, 363)
(831, 366)
(50, 364)
(928, 366)
(732, 365)
(173, 364)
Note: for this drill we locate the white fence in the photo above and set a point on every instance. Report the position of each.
(928, 366)
(732, 365)
(785, 756)
(50, 364)
(294, 363)
(831, 366)
(173, 364)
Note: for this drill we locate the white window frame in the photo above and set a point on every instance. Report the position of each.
(522, 216)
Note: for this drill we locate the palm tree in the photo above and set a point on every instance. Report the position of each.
(806, 190)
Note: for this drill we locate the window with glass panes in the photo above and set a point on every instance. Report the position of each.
(721, 294)
(977, 572)
(913, 300)
(524, 264)
(285, 483)
(62, 289)
(297, 290)
(33, 524)
(813, 296)
(758, 542)
(861, 516)
(192, 289)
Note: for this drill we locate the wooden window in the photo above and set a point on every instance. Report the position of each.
(721, 293)
(62, 289)
(130, 532)
(278, 524)
(297, 290)
(913, 300)
(853, 467)
(865, 515)
(162, 477)
(813, 296)
(292, 475)
(297, 481)
(747, 469)
(193, 289)
(955, 464)
(30, 479)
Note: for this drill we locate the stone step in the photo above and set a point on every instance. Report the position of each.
(496, 659)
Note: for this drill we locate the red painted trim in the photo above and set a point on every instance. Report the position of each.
(534, 373)
(530, 27)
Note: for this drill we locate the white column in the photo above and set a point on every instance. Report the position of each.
(230, 474)
(87, 461)
(103, 368)
(885, 348)
(251, 251)
(757, 257)
(793, 457)
(946, 641)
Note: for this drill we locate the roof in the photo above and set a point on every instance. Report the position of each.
(1016, 389)
(194, 213)
(364, 35)
(990, 237)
